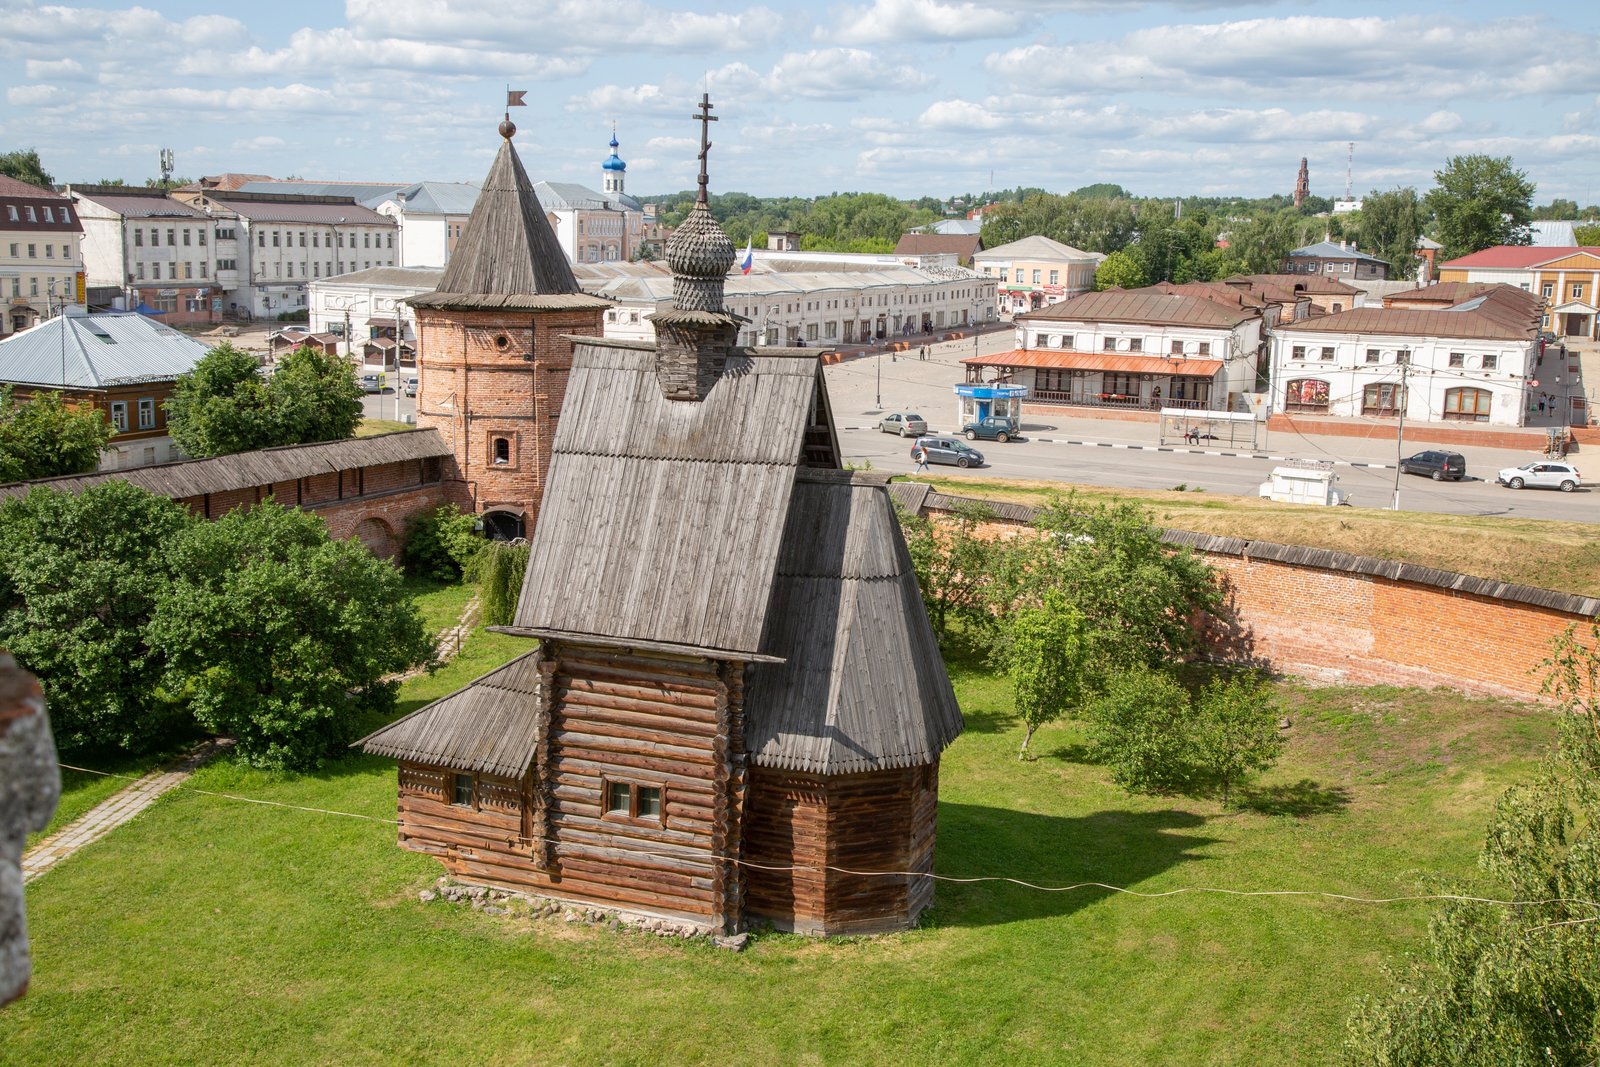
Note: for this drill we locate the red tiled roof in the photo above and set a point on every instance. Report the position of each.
(962, 245)
(1515, 256)
(1117, 362)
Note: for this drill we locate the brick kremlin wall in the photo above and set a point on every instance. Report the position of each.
(1336, 617)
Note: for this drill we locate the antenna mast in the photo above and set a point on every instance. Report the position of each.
(166, 167)
(1349, 169)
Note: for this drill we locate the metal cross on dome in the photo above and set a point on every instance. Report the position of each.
(705, 118)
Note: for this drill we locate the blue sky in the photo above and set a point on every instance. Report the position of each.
(906, 97)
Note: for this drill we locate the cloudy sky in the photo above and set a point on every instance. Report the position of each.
(907, 97)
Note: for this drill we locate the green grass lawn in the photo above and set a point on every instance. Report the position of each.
(210, 931)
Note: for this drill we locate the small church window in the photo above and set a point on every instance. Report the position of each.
(461, 794)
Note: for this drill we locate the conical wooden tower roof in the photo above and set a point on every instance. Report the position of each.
(508, 257)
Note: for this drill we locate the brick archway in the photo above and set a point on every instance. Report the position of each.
(378, 536)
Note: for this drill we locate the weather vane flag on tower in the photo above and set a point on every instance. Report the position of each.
(514, 97)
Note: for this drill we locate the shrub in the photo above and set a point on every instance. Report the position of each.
(500, 567)
(1140, 728)
(1235, 731)
(441, 543)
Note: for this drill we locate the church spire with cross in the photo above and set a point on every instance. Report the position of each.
(615, 169)
(695, 336)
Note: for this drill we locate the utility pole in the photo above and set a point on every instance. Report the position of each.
(877, 364)
(1400, 437)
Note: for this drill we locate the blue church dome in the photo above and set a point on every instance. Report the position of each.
(614, 163)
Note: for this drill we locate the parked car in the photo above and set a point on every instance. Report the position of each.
(410, 387)
(371, 383)
(1541, 474)
(1437, 465)
(904, 423)
(993, 428)
(948, 450)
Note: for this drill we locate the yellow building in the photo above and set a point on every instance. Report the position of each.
(1036, 271)
(1567, 278)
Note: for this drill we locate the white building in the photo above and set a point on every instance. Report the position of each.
(270, 246)
(155, 251)
(1135, 348)
(369, 306)
(429, 217)
(1470, 355)
(41, 254)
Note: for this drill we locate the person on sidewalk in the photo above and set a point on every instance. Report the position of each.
(919, 454)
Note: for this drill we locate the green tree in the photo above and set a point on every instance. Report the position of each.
(314, 397)
(1261, 244)
(1137, 594)
(1119, 269)
(24, 165)
(441, 543)
(221, 406)
(1558, 209)
(281, 636)
(1389, 226)
(80, 577)
(1480, 201)
(43, 437)
(225, 406)
(958, 570)
(1139, 727)
(1043, 648)
(1589, 236)
(1515, 985)
(1235, 731)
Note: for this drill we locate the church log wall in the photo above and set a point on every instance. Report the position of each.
(615, 717)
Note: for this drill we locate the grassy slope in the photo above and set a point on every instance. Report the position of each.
(210, 931)
(1545, 553)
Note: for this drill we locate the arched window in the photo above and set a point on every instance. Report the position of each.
(1306, 394)
(503, 526)
(1467, 404)
(502, 451)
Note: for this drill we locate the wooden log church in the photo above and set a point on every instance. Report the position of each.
(735, 703)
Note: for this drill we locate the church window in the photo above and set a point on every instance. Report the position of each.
(461, 791)
(502, 451)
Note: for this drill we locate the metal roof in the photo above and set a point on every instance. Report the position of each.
(1521, 257)
(1334, 250)
(1149, 306)
(432, 198)
(96, 351)
(419, 279)
(133, 204)
(570, 196)
(508, 256)
(1117, 362)
(1492, 313)
(221, 474)
(357, 191)
(661, 518)
(1039, 248)
(295, 210)
(862, 686)
(490, 726)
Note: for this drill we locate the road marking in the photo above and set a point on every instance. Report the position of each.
(1182, 451)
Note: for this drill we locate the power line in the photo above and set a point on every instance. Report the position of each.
(681, 855)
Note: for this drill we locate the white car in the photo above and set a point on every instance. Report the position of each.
(1541, 474)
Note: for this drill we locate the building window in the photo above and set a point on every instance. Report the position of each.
(225, 233)
(1345, 268)
(630, 801)
(140, 269)
(172, 270)
(188, 270)
(1458, 359)
(1327, 354)
(147, 413)
(187, 233)
(1135, 344)
(33, 251)
(1577, 292)
(261, 239)
(1205, 348)
(461, 791)
(1384, 399)
(1373, 355)
(202, 238)
(119, 415)
(1297, 352)
(49, 216)
(1177, 348)
(1491, 362)
(66, 216)
(1306, 394)
(138, 238)
(302, 238)
(501, 447)
(11, 213)
(1055, 277)
(316, 239)
(1467, 404)
(1547, 289)
(31, 216)
(203, 268)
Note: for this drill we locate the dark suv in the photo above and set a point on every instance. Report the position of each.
(1437, 465)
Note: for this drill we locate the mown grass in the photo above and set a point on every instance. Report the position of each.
(373, 427)
(1541, 552)
(210, 931)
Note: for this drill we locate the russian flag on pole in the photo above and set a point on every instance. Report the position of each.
(749, 257)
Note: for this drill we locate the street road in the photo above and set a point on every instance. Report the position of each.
(1107, 459)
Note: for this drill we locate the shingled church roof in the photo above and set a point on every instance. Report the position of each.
(507, 257)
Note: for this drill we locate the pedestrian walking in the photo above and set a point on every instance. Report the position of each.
(923, 353)
(919, 454)
(1541, 403)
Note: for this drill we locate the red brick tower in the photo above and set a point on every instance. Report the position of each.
(493, 352)
(1302, 184)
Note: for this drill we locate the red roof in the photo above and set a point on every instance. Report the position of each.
(1116, 362)
(1518, 256)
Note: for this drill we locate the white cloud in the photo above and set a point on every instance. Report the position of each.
(898, 21)
(840, 74)
(46, 69)
(311, 51)
(547, 24)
